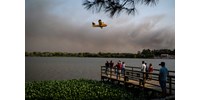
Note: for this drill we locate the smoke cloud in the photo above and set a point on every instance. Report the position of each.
(51, 26)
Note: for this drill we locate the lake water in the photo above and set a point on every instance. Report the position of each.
(64, 68)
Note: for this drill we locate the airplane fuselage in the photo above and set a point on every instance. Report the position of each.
(100, 25)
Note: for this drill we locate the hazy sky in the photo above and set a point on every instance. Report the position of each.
(64, 25)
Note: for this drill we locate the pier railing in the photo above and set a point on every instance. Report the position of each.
(134, 76)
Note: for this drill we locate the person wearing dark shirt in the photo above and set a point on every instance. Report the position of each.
(111, 66)
(107, 65)
(147, 68)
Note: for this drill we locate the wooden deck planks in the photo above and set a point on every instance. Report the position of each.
(148, 84)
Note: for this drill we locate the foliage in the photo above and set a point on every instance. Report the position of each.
(75, 89)
(116, 6)
(146, 53)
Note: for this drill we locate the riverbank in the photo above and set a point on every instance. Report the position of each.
(146, 53)
(81, 89)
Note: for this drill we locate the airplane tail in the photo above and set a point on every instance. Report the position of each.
(93, 24)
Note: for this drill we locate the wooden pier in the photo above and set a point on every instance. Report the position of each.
(133, 76)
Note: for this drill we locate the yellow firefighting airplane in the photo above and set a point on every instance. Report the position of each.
(101, 24)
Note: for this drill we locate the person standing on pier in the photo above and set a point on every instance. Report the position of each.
(163, 78)
(107, 65)
(111, 66)
(150, 71)
(143, 67)
(143, 70)
(118, 67)
(147, 70)
(123, 68)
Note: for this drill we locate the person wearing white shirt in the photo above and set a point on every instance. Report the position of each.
(123, 68)
(143, 68)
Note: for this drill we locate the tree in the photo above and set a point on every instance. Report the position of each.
(116, 6)
(147, 53)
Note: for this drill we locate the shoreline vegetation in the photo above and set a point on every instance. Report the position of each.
(145, 53)
(82, 89)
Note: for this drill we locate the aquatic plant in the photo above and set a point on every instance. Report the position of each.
(75, 89)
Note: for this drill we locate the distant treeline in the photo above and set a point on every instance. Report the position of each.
(145, 53)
